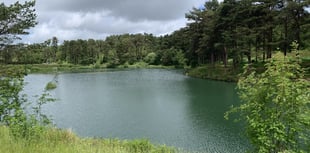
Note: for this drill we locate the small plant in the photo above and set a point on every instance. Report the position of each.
(50, 86)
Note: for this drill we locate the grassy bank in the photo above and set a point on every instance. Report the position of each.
(46, 68)
(230, 74)
(53, 68)
(139, 65)
(217, 72)
(58, 141)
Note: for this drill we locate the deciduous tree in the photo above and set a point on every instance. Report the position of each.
(276, 106)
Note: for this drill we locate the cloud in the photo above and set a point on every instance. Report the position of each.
(134, 10)
(83, 19)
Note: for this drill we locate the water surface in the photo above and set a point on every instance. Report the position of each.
(163, 106)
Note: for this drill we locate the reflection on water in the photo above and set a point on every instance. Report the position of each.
(161, 105)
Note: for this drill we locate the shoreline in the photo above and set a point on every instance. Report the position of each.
(210, 72)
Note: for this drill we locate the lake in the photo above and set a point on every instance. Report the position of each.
(163, 106)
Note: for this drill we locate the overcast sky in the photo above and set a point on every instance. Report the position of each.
(74, 19)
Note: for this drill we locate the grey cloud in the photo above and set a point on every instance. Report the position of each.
(134, 10)
(101, 23)
(83, 19)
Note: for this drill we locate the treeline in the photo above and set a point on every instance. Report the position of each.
(114, 50)
(230, 33)
(238, 29)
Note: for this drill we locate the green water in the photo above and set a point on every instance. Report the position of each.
(163, 106)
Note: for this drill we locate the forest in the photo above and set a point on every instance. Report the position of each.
(229, 33)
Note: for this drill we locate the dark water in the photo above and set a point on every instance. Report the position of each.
(163, 106)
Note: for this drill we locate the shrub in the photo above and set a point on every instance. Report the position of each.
(151, 58)
(276, 106)
(50, 86)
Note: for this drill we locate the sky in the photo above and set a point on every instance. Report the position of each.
(97, 19)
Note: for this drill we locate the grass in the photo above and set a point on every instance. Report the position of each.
(55, 68)
(139, 65)
(217, 72)
(60, 141)
(50, 68)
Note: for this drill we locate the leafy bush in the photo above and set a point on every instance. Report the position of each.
(276, 106)
(151, 58)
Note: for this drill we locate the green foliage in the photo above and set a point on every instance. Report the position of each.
(11, 101)
(276, 106)
(115, 50)
(151, 58)
(172, 56)
(13, 106)
(236, 28)
(14, 20)
(180, 59)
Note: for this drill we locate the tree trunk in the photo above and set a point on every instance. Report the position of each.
(285, 36)
(225, 57)
(249, 53)
(264, 56)
(212, 58)
(269, 45)
(256, 49)
(249, 57)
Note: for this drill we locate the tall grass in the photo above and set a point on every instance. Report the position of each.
(60, 141)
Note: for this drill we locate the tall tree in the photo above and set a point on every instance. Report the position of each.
(195, 17)
(54, 46)
(208, 43)
(295, 16)
(92, 51)
(227, 25)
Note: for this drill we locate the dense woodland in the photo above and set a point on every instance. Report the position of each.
(231, 32)
(114, 50)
